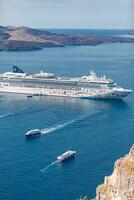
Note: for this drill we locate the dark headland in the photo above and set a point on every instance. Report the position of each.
(24, 39)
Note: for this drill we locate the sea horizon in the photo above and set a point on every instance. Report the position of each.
(89, 30)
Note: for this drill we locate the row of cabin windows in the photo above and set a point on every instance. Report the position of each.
(59, 91)
(68, 91)
(54, 90)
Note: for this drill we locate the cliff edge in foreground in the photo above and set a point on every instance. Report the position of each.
(120, 185)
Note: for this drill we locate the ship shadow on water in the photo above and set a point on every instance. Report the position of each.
(32, 139)
(69, 160)
(120, 103)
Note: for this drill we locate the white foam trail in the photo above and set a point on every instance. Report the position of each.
(60, 126)
(46, 168)
(52, 129)
(9, 115)
(5, 115)
(12, 114)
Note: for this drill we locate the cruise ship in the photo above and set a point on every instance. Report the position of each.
(48, 84)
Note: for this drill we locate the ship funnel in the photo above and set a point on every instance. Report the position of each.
(17, 70)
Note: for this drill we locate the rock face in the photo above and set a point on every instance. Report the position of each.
(120, 185)
(24, 38)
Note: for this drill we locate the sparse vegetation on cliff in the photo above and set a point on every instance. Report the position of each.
(120, 185)
(24, 38)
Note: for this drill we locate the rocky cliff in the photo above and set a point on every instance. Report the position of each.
(120, 185)
(24, 38)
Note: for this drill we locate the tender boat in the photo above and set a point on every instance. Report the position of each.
(66, 155)
(29, 96)
(32, 133)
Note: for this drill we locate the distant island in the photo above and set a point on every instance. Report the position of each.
(25, 39)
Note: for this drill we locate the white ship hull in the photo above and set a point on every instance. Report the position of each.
(89, 87)
(100, 94)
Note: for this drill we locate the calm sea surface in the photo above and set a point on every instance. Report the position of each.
(94, 31)
(100, 131)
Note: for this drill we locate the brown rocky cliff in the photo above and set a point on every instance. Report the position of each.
(24, 38)
(120, 185)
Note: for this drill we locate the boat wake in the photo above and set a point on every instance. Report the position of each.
(21, 113)
(44, 170)
(55, 128)
(60, 126)
(12, 114)
(5, 116)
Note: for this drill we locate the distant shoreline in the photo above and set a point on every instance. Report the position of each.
(27, 39)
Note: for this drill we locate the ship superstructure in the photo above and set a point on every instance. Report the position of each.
(33, 133)
(66, 155)
(44, 83)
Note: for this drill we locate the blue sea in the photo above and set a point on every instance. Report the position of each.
(101, 32)
(100, 131)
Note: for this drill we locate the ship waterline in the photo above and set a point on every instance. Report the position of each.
(48, 85)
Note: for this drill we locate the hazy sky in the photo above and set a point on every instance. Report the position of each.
(68, 13)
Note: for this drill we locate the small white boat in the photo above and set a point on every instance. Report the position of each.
(66, 155)
(32, 133)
